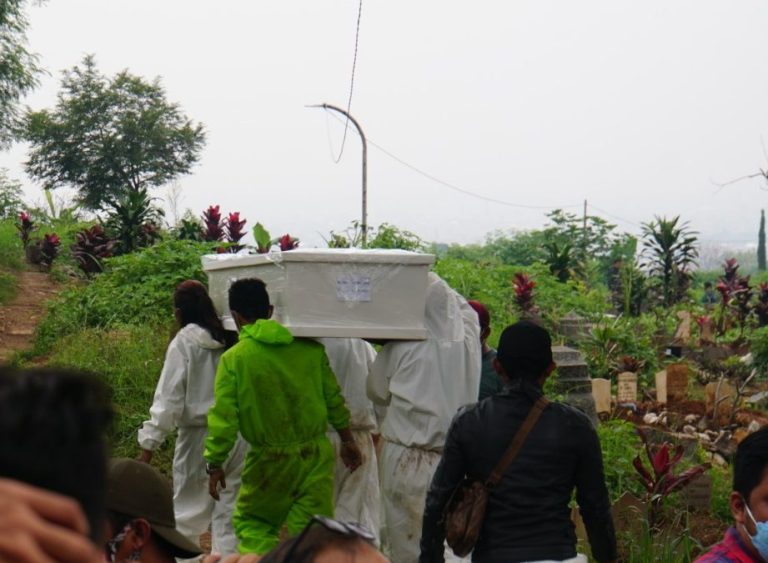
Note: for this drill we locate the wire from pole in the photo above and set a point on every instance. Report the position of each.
(351, 82)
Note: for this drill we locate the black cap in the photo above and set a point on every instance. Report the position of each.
(525, 347)
(139, 490)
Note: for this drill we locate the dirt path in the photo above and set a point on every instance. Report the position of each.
(19, 318)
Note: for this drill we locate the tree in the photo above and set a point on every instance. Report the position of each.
(109, 136)
(10, 196)
(18, 68)
(670, 251)
(761, 243)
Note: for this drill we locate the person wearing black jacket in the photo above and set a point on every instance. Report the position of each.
(528, 517)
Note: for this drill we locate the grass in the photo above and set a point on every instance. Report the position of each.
(130, 358)
(11, 260)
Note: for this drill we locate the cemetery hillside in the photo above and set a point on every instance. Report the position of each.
(658, 362)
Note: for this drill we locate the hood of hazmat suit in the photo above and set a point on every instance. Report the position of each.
(424, 383)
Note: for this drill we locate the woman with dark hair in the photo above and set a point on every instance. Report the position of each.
(183, 396)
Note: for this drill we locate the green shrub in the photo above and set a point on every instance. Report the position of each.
(130, 359)
(620, 444)
(759, 349)
(134, 289)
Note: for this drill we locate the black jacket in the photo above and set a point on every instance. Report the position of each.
(528, 517)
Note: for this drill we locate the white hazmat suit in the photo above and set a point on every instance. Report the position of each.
(183, 396)
(357, 495)
(422, 384)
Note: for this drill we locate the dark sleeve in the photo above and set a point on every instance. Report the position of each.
(450, 472)
(592, 495)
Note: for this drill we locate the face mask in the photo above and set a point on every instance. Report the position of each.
(760, 539)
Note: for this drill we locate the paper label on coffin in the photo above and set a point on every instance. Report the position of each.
(353, 288)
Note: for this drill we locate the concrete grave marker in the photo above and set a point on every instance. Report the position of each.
(601, 392)
(698, 493)
(677, 382)
(573, 380)
(661, 387)
(627, 387)
(724, 397)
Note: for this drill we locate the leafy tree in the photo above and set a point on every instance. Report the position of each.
(108, 136)
(670, 251)
(521, 248)
(10, 196)
(18, 68)
(389, 236)
(761, 243)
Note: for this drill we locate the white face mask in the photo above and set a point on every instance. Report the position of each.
(113, 546)
(760, 539)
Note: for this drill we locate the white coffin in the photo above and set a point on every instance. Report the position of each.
(332, 292)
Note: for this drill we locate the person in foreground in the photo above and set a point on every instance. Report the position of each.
(53, 427)
(140, 522)
(747, 540)
(183, 396)
(528, 517)
(280, 394)
(325, 540)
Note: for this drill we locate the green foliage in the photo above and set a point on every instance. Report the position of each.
(133, 221)
(522, 248)
(262, 237)
(135, 288)
(10, 196)
(620, 443)
(130, 358)
(670, 253)
(759, 349)
(189, 228)
(107, 136)
(674, 544)
(389, 236)
(614, 338)
(11, 250)
(18, 68)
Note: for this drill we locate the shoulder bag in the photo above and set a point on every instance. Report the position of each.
(465, 511)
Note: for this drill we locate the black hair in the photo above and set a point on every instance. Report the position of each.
(53, 435)
(524, 350)
(707, 284)
(249, 298)
(118, 521)
(750, 463)
(194, 305)
(315, 540)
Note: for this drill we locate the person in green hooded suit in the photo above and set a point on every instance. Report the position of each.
(280, 394)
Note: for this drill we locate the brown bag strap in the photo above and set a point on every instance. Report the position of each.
(517, 441)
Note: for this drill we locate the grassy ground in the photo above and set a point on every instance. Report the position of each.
(130, 359)
(11, 259)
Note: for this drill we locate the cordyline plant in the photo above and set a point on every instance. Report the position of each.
(91, 246)
(736, 294)
(213, 226)
(25, 228)
(524, 292)
(234, 231)
(49, 249)
(661, 481)
(287, 242)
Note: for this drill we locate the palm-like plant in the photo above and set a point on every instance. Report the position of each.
(133, 221)
(560, 260)
(669, 252)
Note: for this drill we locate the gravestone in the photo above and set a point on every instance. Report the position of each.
(661, 387)
(698, 494)
(683, 332)
(601, 393)
(573, 328)
(724, 396)
(677, 382)
(707, 331)
(573, 380)
(627, 387)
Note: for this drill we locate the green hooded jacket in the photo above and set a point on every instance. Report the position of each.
(275, 390)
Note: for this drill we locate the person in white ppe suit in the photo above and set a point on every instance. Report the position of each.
(183, 396)
(422, 384)
(357, 496)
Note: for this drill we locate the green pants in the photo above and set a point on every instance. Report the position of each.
(284, 485)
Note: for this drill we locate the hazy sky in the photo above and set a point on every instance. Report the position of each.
(635, 106)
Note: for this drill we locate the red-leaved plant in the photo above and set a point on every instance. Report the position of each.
(91, 246)
(213, 227)
(524, 292)
(287, 242)
(25, 228)
(234, 231)
(661, 480)
(49, 249)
